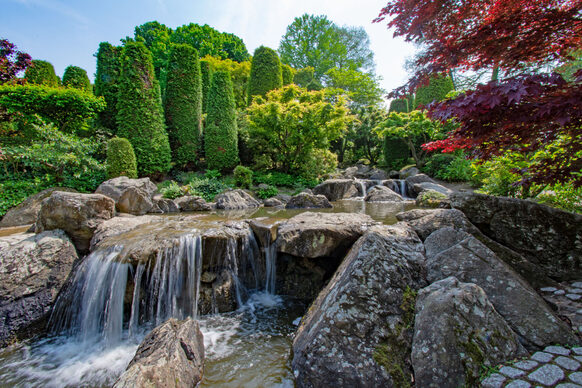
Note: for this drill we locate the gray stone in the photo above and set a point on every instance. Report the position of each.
(560, 292)
(577, 284)
(272, 202)
(567, 363)
(432, 199)
(355, 334)
(192, 203)
(336, 189)
(116, 226)
(568, 385)
(494, 381)
(382, 194)
(575, 290)
(557, 350)
(573, 296)
(426, 221)
(171, 355)
(576, 377)
(114, 188)
(547, 375)
(542, 357)
(548, 289)
(33, 268)
(408, 172)
(420, 187)
(471, 261)
(77, 214)
(235, 199)
(577, 350)
(134, 201)
(308, 201)
(377, 174)
(456, 332)
(418, 178)
(518, 384)
(27, 211)
(526, 364)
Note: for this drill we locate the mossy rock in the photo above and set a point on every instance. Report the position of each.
(432, 199)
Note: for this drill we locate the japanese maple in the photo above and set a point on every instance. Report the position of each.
(12, 62)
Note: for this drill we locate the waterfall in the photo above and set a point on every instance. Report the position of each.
(363, 189)
(399, 186)
(270, 267)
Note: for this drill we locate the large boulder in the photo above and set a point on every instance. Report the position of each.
(33, 268)
(336, 189)
(193, 203)
(314, 235)
(382, 194)
(77, 214)
(432, 199)
(116, 226)
(417, 188)
(357, 332)
(134, 201)
(418, 178)
(27, 211)
(308, 201)
(236, 199)
(114, 188)
(171, 355)
(547, 237)
(408, 172)
(456, 333)
(164, 206)
(377, 175)
(451, 252)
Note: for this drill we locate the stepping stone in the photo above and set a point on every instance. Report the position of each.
(579, 358)
(559, 292)
(547, 375)
(542, 357)
(565, 385)
(575, 290)
(493, 381)
(518, 384)
(576, 377)
(577, 350)
(526, 364)
(511, 372)
(562, 351)
(577, 284)
(548, 289)
(574, 297)
(567, 363)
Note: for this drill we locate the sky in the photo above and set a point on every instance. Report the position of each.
(68, 32)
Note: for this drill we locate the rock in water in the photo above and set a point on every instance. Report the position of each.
(171, 355)
(357, 332)
(192, 203)
(308, 201)
(382, 194)
(236, 199)
(452, 252)
(134, 201)
(336, 189)
(77, 214)
(33, 268)
(457, 332)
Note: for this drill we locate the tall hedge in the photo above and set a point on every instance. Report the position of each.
(41, 73)
(411, 102)
(120, 158)
(106, 80)
(220, 132)
(436, 90)
(206, 76)
(183, 103)
(266, 73)
(400, 105)
(75, 77)
(140, 117)
(396, 152)
(287, 72)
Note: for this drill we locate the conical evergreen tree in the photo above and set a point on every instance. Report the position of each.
(75, 77)
(220, 132)
(266, 73)
(206, 75)
(41, 73)
(106, 80)
(140, 117)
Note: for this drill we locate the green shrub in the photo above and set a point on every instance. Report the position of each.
(436, 90)
(266, 73)
(106, 83)
(183, 104)
(239, 75)
(206, 80)
(243, 177)
(220, 135)
(563, 196)
(212, 174)
(15, 189)
(498, 177)
(287, 73)
(318, 163)
(171, 190)
(140, 116)
(304, 77)
(437, 164)
(280, 179)
(41, 73)
(75, 77)
(396, 153)
(459, 170)
(120, 158)
(400, 105)
(206, 188)
(267, 192)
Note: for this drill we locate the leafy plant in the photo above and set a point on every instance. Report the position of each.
(266, 73)
(280, 179)
(564, 196)
(106, 83)
(243, 177)
(212, 174)
(267, 192)
(75, 77)
(172, 190)
(41, 73)
(206, 188)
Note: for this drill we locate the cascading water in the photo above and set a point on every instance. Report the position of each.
(362, 186)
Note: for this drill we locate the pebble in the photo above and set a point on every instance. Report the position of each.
(511, 372)
(574, 296)
(559, 292)
(518, 384)
(493, 381)
(526, 364)
(548, 289)
(557, 350)
(542, 357)
(576, 377)
(547, 375)
(567, 363)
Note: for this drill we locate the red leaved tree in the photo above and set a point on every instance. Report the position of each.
(524, 111)
(12, 62)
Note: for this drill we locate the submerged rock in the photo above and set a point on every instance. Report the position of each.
(236, 199)
(77, 214)
(357, 332)
(171, 355)
(114, 188)
(457, 332)
(308, 201)
(27, 212)
(336, 189)
(382, 194)
(33, 268)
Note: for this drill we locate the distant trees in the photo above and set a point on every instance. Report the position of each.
(266, 73)
(41, 73)
(75, 77)
(106, 83)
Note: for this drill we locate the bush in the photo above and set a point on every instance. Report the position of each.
(304, 77)
(206, 188)
(41, 73)
(206, 80)
(172, 190)
(15, 189)
(106, 83)
(437, 164)
(436, 90)
(287, 73)
(400, 105)
(267, 192)
(498, 177)
(563, 196)
(318, 163)
(243, 177)
(183, 104)
(280, 179)
(75, 77)
(239, 75)
(120, 158)
(139, 106)
(396, 153)
(266, 73)
(220, 135)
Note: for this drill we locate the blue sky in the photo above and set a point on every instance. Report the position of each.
(68, 32)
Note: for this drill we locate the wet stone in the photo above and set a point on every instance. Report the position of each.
(494, 381)
(547, 375)
(567, 363)
(518, 384)
(573, 296)
(559, 292)
(511, 372)
(548, 289)
(575, 290)
(557, 350)
(576, 377)
(526, 364)
(542, 357)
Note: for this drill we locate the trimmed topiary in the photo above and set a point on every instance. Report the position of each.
(120, 158)
(400, 105)
(140, 117)
(77, 78)
(220, 134)
(206, 77)
(436, 90)
(243, 177)
(41, 73)
(106, 80)
(183, 104)
(266, 73)
(287, 72)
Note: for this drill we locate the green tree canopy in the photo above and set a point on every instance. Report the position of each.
(436, 90)
(209, 41)
(362, 88)
(266, 72)
(240, 73)
(106, 82)
(156, 37)
(41, 73)
(76, 77)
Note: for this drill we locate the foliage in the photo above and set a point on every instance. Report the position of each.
(499, 175)
(449, 167)
(106, 83)
(171, 190)
(396, 153)
(209, 41)
(243, 177)
(291, 123)
(75, 77)
(206, 77)
(304, 77)
(139, 106)
(363, 140)
(156, 37)
(267, 192)
(265, 73)
(287, 72)
(220, 134)
(362, 88)
(317, 42)
(436, 90)
(240, 73)
(41, 73)
(120, 158)
(399, 105)
(183, 104)
(415, 129)
(318, 163)
(563, 196)
(280, 179)
(12, 62)
(206, 188)
(68, 109)
(15, 189)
